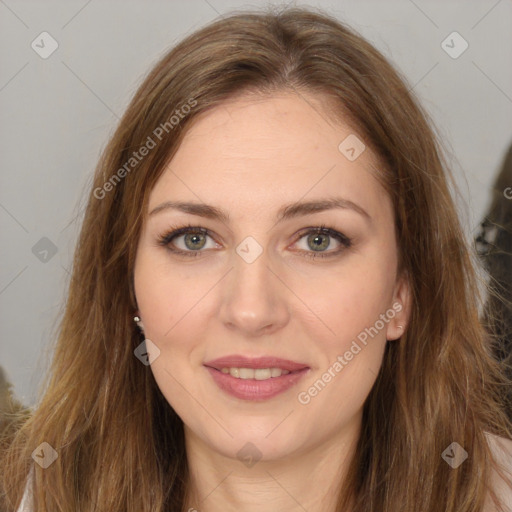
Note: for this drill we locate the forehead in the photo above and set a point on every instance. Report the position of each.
(262, 151)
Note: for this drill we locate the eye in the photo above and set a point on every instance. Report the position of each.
(193, 239)
(190, 240)
(318, 239)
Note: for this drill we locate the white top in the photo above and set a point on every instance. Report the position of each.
(501, 447)
(25, 505)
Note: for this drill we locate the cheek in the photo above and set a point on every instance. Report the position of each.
(351, 350)
(349, 300)
(162, 293)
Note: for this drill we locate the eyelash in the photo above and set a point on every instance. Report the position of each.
(166, 238)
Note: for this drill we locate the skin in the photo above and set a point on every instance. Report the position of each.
(250, 157)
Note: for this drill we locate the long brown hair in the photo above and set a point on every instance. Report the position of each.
(120, 445)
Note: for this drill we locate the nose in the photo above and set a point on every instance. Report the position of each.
(255, 300)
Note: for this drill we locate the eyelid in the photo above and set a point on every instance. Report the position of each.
(344, 241)
(174, 232)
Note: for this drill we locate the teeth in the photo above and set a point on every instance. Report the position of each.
(277, 372)
(255, 373)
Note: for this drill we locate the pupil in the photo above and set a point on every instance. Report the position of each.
(194, 238)
(317, 241)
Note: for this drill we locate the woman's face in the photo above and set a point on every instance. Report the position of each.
(257, 281)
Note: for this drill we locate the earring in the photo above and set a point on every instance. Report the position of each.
(400, 327)
(137, 320)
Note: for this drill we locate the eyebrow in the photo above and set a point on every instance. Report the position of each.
(286, 212)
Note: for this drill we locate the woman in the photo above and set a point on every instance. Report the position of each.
(272, 303)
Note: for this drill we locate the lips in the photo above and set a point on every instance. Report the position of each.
(254, 389)
(237, 361)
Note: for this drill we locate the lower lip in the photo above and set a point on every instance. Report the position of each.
(252, 389)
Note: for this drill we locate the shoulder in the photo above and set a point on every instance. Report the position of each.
(502, 452)
(501, 446)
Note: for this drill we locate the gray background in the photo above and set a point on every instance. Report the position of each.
(57, 114)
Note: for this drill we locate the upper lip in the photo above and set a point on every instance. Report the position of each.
(237, 361)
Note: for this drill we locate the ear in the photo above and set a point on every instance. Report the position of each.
(401, 305)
